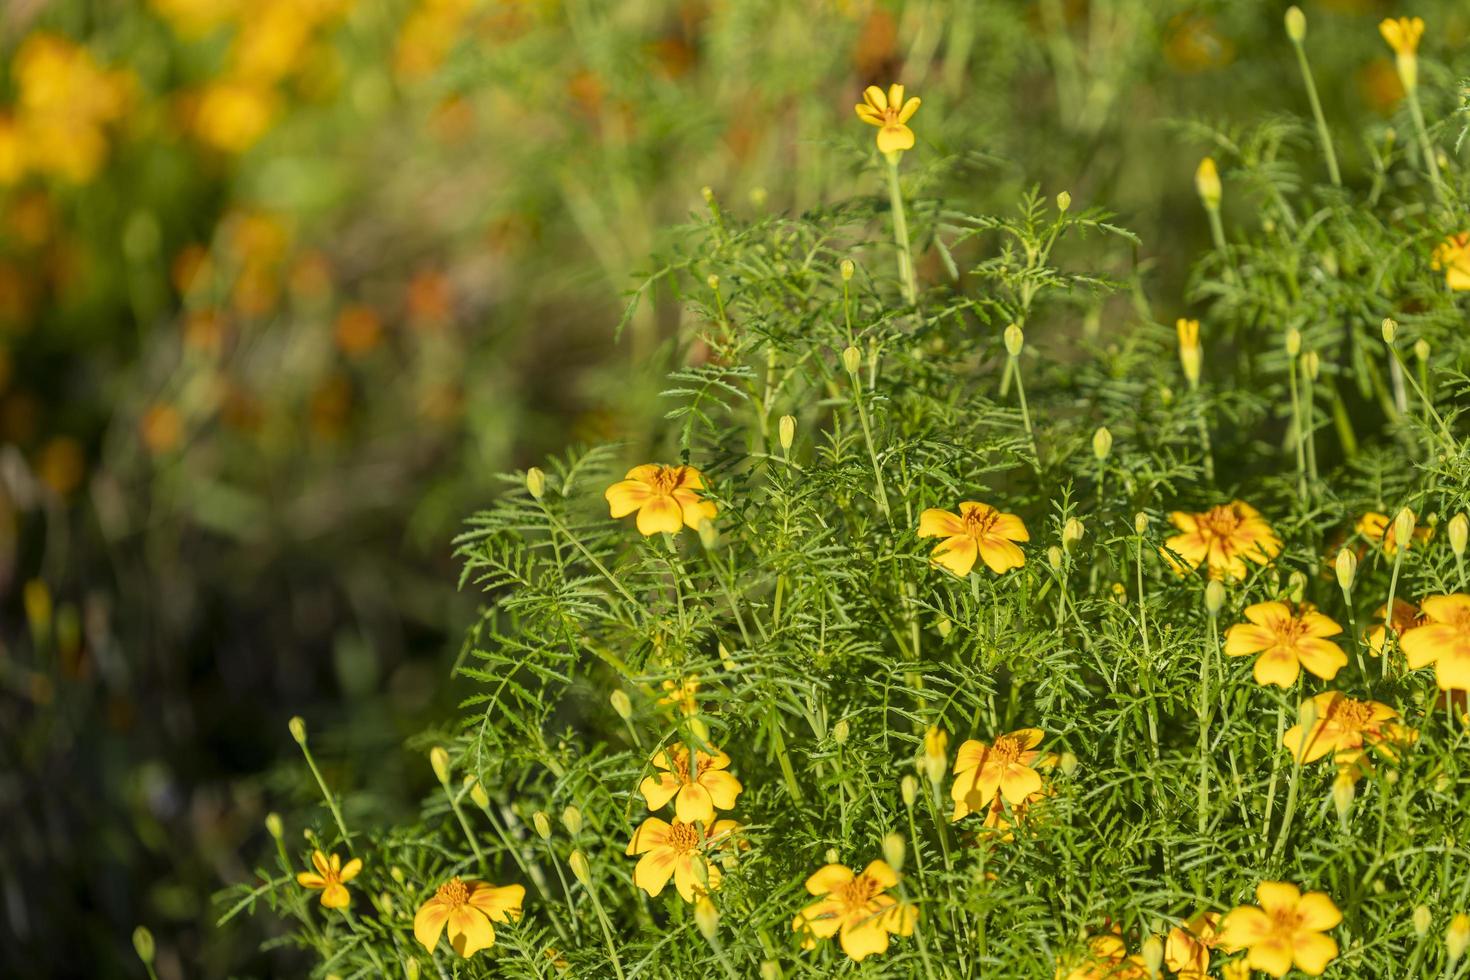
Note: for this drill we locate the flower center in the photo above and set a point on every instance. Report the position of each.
(452, 893)
(683, 838)
(1289, 631)
(1005, 751)
(1219, 521)
(978, 521)
(666, 480)
(860, 891)
(1354, 716)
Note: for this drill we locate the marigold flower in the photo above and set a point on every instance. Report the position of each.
(1288, 928)
(1345, 727)
(1224, 537)
(1403, 34)
(1406, 616)
(1453, 256)
(979, 531)
(857, 908)
(330, 878)
(1190, 354)
(1286, 643)
(890, 113)
(1187, 949)
(1444, 640)
(1107, 958)
(696, 795)
(1006, 768)
(677, 850)
(667, 498)
(1379, 530)
(468, 908)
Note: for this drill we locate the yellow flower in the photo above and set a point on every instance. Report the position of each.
(1406, 616)
(698, 795)
(1402, 34)
(331, 878)
(1286, 643)
(64, 101)
(666, 498)
(12, 151)
(232, 116)
(677, 850)
(467, 908)
(1345, 727)
(1287, 928)
(1187, 949)
(980, 531)
(857, 907)
(1444, 640)
(1378, 528)
(682, 693)
(1190, 354)
(1453, 256)
(890, 113)
(1106, 959)
(1005, 769)
(1224, 537)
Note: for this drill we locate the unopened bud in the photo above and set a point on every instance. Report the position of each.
(908, 788)
(1390, 329)
(1054, 558)
(273, 825)
(1296, 585)
(1140, 522)
(297, 725)
(713, 281)
(1296, 24)
(1347, 569)
(535, 482)
(770, 970)
(1312, 364)
(439, 762)
(893, 851)
(1293, 342)
(542, 823)
(1067, 763)
(1421, 349)
(1064, 201)
(787, 431)
(847, 269)
(852, 359)
(478, 794)
(1344, 789)
(1072, 532)
(709, 535)
(1459, 530)
(1102, 443)
(410, 969)
(708, 194)
(1014, 339)
(707, 918)
(840, 731)
(1403, 527)
(571, 818)
(1214, 597)
(1422, 919)
(832, 856)
(621, 703)
(1457, 937)
(1153, 955)
(143, 944)
(580, 870)
(1207, 184)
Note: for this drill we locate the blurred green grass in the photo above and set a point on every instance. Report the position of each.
(284, 285)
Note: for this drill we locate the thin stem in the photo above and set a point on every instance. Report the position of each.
(1153, 724)
(1025, 412)
(857, 397)
(1275, 771)
(1296, 421)
(607, 933)
(1309, 408)
(1304, 720)
(1393, 586)
(464, 824)
(1316, 103)
(1202, 808)
(901, 231)
(1431, 162)
(326, 793)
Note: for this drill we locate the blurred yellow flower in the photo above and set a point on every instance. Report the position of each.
(978, 532)
(1286, 642)
(683, 694)
(890, 113)
(1106, 958)
(677, 850)
(696, 795)
(1443, 640)
(64, 103)
(1190, 354)
(468, 908)
(1345, 727)
(1403, 34)
(1378, 529)
(195, 18)
(1406, 616)
(856, 907)
(232, 116)
(1452, 255)
(12, 150)
(1224, 538)
(1187, 948)
(667, 498)
(1006, 768)
(330, 878)
(1288, 928)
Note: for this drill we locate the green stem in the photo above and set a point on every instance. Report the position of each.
(1296, 775)
(857, 396)
(1296, 422)
(464, 824)
(1431, 162)
(1025, 412)
(1316, 103)
(901, 231)
(607, 932)
(1393, 585)
(326, 793)
(1275, 771)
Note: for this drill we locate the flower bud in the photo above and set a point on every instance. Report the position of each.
(1072, 532)
(832, 856)
(840, 731)
(621, 703)
(580, 870)
(1421, 349)
(1064, 201)
(1054, 558)
(1422, 920)
(1312, 364)
(908, 787)
(770, 970)
(707, 918)
(1347, 569)
(1293, 342)
(439, 762)
(1403, 527)
(713, 281)
(1207, 184)
(787, 430)
(1102, 443)
(1457, 937)
(410, 969)
(396, 873)
(852, 359)
(1140, 522)
(726, 659)
(1214, 597)
(1344, 789)
(273, 825)
(709, 535)
(1296, 24)
(535, 482)
(1014, 339)
(1067, 763)
(847, 269)
(542, 823)
(1296, 585)
(1459, 530)
(143, 944)
(297, 725)
(1153, 955)
(893, 851)
(1390, 329)
(478, 794)
(1191, 354)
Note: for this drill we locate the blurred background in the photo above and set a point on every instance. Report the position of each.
(286, 284)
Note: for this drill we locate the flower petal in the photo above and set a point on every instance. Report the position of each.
(1000, 555)
(659, 789)
(500, 904)
(694, 804)
(470, 931)
(828, 878)
(723, 787)
(654, 869)
(626, 496)
(957, 554)
(428, 923)
(1313, 952)
(660, 513)
(935, 523)
(1318, 912)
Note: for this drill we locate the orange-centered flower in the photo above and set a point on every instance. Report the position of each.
(667, 498)
(1006, 767)
(331, 878)
(890, 113)
(980, 531)
(1224, 538)
(1345, 727)
(856, 907)
(1187, 949)
(1286, 643)
(1405, 616)
(467, 908)
(1453, 256)
(1288, 928)
(677, 850)
(1443, 641)
(696, 795)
